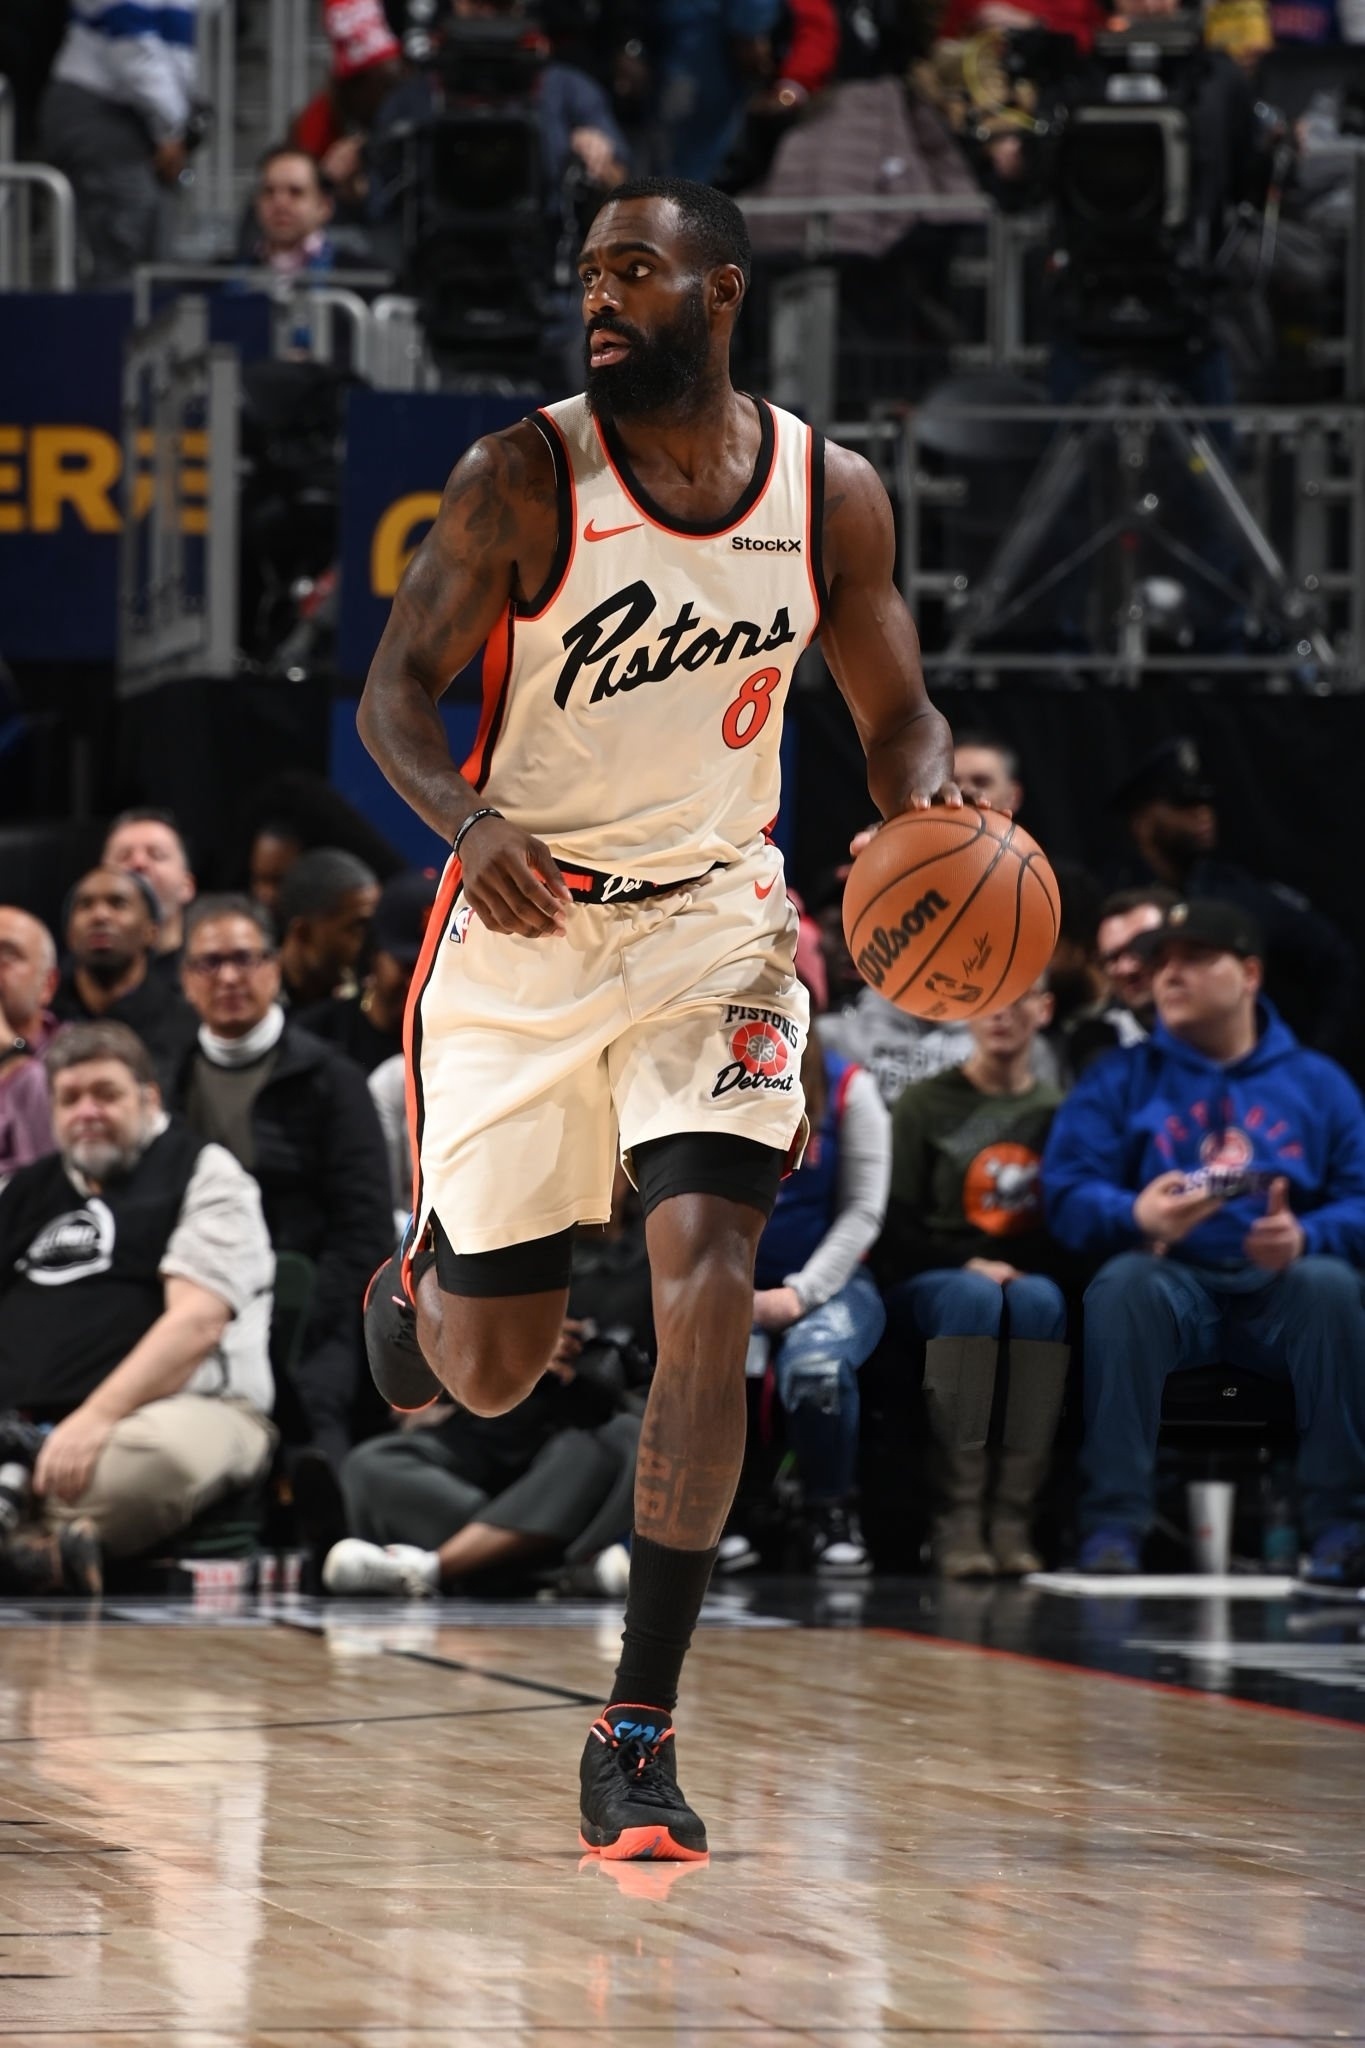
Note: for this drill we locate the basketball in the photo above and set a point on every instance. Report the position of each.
(951, 914)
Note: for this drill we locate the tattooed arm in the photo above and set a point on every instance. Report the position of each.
(493, 541)
(872, 648)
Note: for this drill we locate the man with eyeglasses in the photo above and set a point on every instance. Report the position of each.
(299, 1118)
(1124, 961)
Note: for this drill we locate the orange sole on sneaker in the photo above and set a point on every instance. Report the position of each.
(645, 1845)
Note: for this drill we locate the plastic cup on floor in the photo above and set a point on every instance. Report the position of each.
(1211, 1503)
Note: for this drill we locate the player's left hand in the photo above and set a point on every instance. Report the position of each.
(947, 793)
(67, 1461)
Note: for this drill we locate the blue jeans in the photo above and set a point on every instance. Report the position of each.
(816, 1369)
(1147, 1317)
(955, 1303)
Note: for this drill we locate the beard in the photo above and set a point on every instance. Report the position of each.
(660, 371)
(102, 1160)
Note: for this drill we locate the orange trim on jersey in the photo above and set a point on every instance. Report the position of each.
(675, 532)
(810, 532)
(494, 678)
(421, 974)
(543, 418)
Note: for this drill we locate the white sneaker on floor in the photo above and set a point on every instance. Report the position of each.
(735, 1553)
(611, 1571)
(836, 1539)
(353, 1566)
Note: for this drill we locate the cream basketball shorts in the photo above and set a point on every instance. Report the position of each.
(534, 1063)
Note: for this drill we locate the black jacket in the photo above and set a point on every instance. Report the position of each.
(155, 1010)
(323, 1173)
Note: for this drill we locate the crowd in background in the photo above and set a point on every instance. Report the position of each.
(1140, 1166)
(1151, 1161)
(792, 100)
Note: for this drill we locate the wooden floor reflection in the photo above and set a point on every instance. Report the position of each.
(367, 1835)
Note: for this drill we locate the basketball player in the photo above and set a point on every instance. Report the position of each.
(609, 960)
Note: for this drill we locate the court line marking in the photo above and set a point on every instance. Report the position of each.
(160, 1730)
(565, 1693)
(560, 1692)
(1166, 1685)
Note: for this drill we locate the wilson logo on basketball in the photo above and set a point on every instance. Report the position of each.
(759, 1060)
(885, 946)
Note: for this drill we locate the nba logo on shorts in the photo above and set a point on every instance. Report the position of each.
(460, 923)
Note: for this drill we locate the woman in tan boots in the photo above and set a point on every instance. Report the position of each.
(963, 1259)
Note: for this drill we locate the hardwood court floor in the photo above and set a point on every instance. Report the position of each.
(364, 1833)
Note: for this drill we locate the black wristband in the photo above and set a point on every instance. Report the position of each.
(18, 1048)
(472, 819)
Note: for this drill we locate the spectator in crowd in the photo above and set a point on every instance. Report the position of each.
(987, 771)
(298, 1117)
(453, 1497)
(1168, 806)
(149, 842)
(1087, 1020)
(112, 917)
(388, 1092)
(801, 62)
(135, 1277)
(709, 58)
(332, 128)
(1219, 1168)
(1125, 916)
(967, 1267)
(295, 812)
(816, 1306)
(870, 133)
(325, 905)
(28, 981)
(368, 1026)
(889, 1044)
(291, 216)
(1078, 19)
(116, 118)
(31, 33)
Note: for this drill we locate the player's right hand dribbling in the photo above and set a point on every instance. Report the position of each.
(511, 881)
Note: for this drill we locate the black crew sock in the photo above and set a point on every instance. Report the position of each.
(664, 1599)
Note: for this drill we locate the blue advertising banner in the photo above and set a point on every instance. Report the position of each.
(62, 500)
(400, 448)
(61, 459)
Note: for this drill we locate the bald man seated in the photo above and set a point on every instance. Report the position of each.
(28, 981)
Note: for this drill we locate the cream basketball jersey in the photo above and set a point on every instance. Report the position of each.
(633, 709)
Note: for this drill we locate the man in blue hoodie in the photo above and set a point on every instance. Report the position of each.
(1222, 1165)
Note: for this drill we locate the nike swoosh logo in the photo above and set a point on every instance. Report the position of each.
(763, 893)
(591, 532)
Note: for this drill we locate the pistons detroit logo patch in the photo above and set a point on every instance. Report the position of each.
(761, 1047)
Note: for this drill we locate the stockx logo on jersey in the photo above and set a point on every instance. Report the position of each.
(596, 643)
(761, 1045)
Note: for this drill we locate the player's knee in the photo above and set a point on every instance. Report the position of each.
(492, 1380)
(711, 1291)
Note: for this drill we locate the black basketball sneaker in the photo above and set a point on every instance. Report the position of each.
(632, 1809)
(397, 1366)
